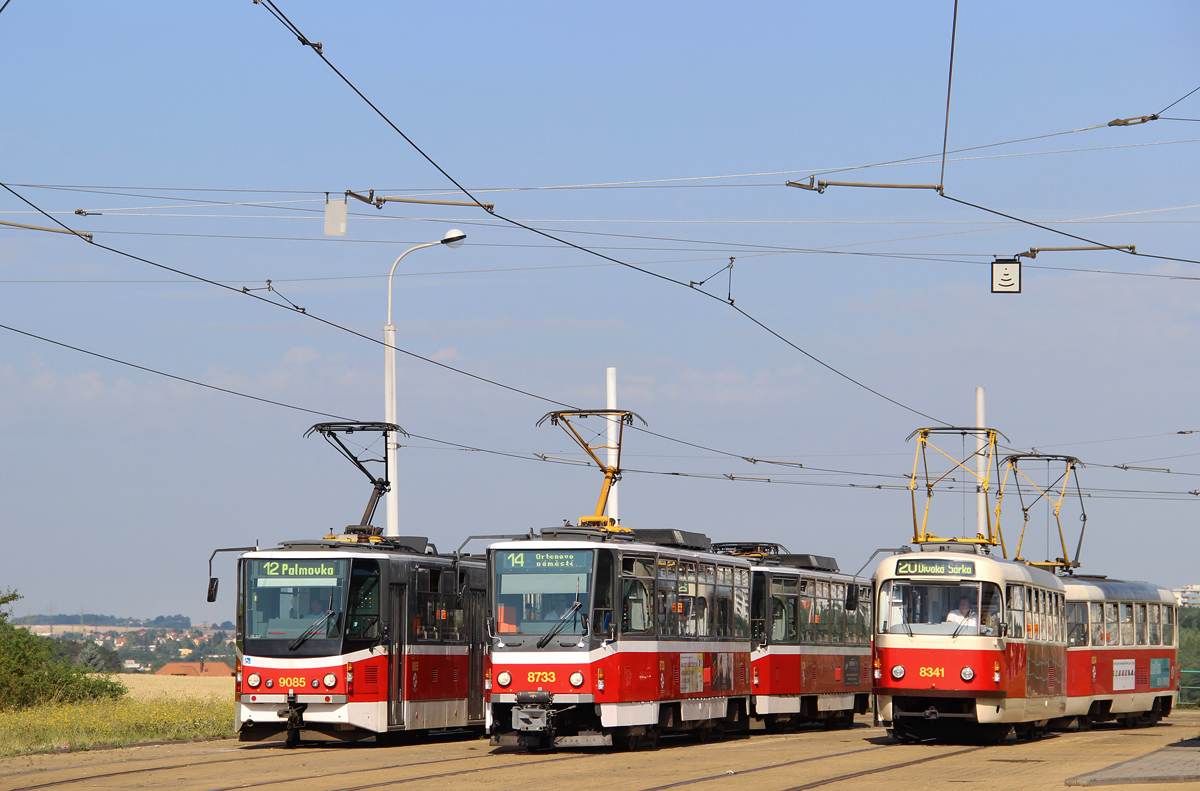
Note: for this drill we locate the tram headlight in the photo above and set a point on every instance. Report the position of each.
(504, 678)
(270, 683)
(897, 672)
(967, 674)
(330, 680)
(253, 680)
(576, 679)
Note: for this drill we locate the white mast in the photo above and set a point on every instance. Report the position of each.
(613, 425)
(981, 500)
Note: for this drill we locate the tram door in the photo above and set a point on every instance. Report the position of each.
(396, 651)
(478, 645)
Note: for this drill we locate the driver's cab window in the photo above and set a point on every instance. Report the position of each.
(602, 610)
(362, 614)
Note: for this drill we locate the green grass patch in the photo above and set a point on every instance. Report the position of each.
(78, 726)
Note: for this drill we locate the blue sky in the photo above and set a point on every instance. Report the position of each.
(204, 137)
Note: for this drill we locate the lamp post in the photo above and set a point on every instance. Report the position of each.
(453, 238)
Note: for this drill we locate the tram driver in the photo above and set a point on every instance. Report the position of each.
(964, 614)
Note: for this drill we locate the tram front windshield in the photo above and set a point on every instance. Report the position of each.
(538, 591)
(296, 600)
(942, 608)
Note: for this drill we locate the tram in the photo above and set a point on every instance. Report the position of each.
(810, 629)
(1121, 651)
(964, 640)
(970, 644)
(353, 638)
(602, 637)
(356, 634)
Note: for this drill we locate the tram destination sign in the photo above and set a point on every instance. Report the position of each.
(546, 561)
(936, 568)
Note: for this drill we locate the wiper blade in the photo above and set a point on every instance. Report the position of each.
(558, 627)
(310, 631)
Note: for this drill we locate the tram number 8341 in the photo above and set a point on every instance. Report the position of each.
(932, 672)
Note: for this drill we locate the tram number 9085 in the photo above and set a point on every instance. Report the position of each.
(292, 682)
(933, 672)
(541, 676)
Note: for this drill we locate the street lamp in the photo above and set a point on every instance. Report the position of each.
(453, 238)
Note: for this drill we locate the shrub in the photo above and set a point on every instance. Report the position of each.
(30, 676)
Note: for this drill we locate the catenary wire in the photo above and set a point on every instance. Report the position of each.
(1177, 101)
(279, 14)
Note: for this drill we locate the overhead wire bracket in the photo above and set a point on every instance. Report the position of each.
(819, 186)
(378, 202)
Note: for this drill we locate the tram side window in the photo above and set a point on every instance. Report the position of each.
(837, 606)
(668, 597)
(821, 615)
(1097, 618)
(637, 595)
(741, 603)
(1016, 611)
(784, 591)
(724, 612)
(1154, 619)
(693, 606)
(1168, 613)
(1126, 623)
(1077, 624)
(434, 606)
(1139, 623)
(1031, 615)
(864, 615)
(1112, 633)
(1060, 616)
(807, 611)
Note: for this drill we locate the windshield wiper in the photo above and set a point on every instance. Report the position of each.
(310, 631)
(961, 624)
(558, 627)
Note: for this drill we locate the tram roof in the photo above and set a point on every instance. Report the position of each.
(407, 547)
(1089, 587)
(626, 546)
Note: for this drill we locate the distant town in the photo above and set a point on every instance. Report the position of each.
(166, 644)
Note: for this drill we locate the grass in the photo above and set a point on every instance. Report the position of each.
(79, 726)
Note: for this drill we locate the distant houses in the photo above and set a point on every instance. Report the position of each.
(201, 669)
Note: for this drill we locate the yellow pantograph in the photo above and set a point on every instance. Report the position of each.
(612, 473)
(987, 452)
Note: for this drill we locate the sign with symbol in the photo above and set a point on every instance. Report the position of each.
(1006, 276)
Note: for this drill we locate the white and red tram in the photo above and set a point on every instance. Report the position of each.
(602, 638)
(967, 644)
(1121, 651)
(810, 632)
(357, 635)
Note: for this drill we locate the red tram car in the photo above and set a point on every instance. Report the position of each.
(1121, 646)
(811, 638)
(969, 644)
(965, 641)
(357, 635)
(611, 638)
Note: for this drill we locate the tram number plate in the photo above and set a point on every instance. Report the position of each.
(933, 672)
(292, 682)
(541, 676)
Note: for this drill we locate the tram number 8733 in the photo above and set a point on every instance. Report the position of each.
(541, 676)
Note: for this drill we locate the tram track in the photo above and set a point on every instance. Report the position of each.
(146, 770)
(811, 759)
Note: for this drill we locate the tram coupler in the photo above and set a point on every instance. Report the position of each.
(533, 712)
(294, 713)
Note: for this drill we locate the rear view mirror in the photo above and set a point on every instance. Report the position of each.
(212, 588)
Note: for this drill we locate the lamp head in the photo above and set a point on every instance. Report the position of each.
(454, 238)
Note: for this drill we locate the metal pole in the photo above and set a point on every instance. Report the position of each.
(613, 427)
(391, 441)
(980, 465)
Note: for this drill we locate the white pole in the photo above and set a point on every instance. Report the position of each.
(980, 464)
(613, 427)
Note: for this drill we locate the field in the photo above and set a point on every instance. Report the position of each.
(157, 708)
